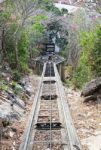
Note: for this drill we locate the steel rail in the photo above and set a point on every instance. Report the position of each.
(50, 144)
(25, 142)
(71, 131)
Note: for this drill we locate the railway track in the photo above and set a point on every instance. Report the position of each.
(50, 125)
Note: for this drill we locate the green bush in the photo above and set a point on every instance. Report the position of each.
(23, 51)
(16, 75)
(82, 75)
(96, 54)
(16, 88)
(90, 60)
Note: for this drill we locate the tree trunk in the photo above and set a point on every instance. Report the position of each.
(16, 55)
(3, 44)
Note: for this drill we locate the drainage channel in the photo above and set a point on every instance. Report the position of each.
(47, 128)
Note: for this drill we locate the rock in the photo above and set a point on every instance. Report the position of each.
(92, 87)
(6, 66)
(25, 83)
(8, 133)
(93, 142)
(20, 103)
(7, 114)
(15, 100)
(91, 97)
(14, 143)
(5, 122)
(6, 76)
(99, 124)
(17, 87)
(3, 74)
(14, 129)
(22, 83)
(5, 110)
(10, 96)
(11, 134)
(29, 90)
(14, 116)
(99, 98)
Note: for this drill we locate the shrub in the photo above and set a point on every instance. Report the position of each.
(16, 75)
(90, 60)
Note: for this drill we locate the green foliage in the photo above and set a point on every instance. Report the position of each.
(91, 45)
(37, 27)
(56, 30)
(4, 16)
(24, 30)
(16, 75)
(64, 11)
(64, 52)
(4, 87)
(46, 4)
(23, 51)
(90, 61)
(49, 6)
(17, 88)
(82, 74)
(96, 54)
(40, 17)
(56, 10)
(9, 43)
(62, 42)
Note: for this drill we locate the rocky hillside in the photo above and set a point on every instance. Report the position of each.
(16, 98)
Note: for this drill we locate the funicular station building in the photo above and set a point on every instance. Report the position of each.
(49, 53)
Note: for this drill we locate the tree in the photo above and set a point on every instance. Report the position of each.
(90, 60)
(19, 18)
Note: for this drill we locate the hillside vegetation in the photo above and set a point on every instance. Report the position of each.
(25, 24)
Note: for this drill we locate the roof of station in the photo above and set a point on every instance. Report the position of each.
(55, 58)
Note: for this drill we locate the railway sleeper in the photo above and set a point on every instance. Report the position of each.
(49, 97)
(48, 74)
(49, 82)
(46, 126)
(46, 146)
(49, 71)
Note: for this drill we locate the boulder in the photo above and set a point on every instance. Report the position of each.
(8, 132)
(26, 85)
(16, 100)
(92, 87)
(91, 97)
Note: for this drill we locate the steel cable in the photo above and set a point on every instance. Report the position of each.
(50, 89)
